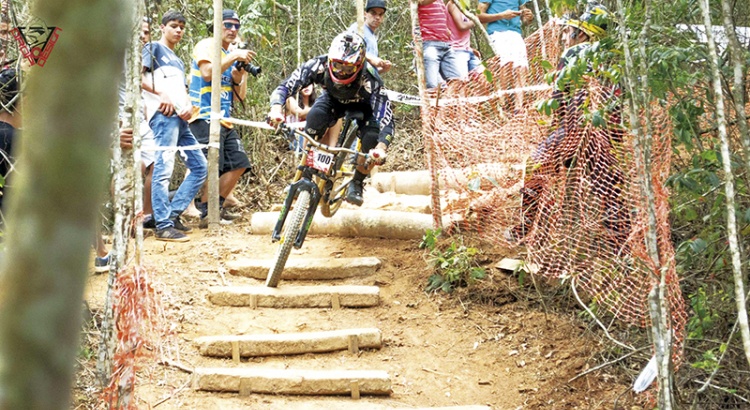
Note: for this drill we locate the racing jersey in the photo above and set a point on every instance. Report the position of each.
(367, 88)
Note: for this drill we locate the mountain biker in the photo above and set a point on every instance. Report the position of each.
(350, 84)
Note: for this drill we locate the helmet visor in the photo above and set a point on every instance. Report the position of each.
(343, 70)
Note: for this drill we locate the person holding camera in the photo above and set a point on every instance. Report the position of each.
(235, 66)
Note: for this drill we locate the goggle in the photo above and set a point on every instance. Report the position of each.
(346, 69)
(230, 26)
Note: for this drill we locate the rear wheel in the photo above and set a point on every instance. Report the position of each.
(291, 230)
(342, 163)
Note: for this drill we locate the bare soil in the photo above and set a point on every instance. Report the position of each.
(495, 347)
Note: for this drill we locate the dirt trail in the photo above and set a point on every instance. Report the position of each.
(437, 350)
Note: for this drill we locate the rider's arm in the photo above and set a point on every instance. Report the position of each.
(383, 115)
(310, 72)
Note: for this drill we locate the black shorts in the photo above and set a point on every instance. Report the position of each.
(231, 151)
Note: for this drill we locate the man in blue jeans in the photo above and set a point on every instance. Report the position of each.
(168, 108)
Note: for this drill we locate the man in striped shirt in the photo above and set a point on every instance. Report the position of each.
(439, 59)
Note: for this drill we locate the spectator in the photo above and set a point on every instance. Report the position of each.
(439, 59)
(168, 109)
(564, 144)
(503, 19)
(348, 87)
(374, 16)
(233, 161)
(460, 26)
(10, 121)
(297, 109)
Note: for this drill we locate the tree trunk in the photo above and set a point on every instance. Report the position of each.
(637, 103)
(726, 160)
(427, 118)
(128, 203)
(69, 112)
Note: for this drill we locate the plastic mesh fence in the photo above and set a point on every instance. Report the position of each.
(565, 185)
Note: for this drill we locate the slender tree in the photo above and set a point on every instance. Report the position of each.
(128, 200)
(638, 106)
(68, 111)
(726, 160)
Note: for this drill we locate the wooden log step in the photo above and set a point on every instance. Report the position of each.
(470, 407)
(236, 346)
(369, 223)
(290, 381)
(308, 268)
(295, 296)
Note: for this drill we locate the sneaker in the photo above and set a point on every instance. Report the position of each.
(227, 215)
(101, 265)
(354, 193)
(171, 235)
(179, 225)
(223, 220)
(149, 224)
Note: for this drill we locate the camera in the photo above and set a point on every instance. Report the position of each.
(249, 67)
(252, 69)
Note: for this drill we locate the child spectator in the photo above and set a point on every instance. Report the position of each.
(168, 109)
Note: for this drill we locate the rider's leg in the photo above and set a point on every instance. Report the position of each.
(322, 114)
(369, 137)
(332, 134)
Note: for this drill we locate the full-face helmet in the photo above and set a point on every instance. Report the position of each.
(346, 57)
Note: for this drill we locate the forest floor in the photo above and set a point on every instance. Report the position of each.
(491, 344)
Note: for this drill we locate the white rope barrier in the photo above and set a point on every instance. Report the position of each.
(433, 102)
(185, 148)
(409, 100)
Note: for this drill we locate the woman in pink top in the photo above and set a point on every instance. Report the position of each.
(439, 59)
(460, 27)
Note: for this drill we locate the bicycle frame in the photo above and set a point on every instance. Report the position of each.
(316, 179)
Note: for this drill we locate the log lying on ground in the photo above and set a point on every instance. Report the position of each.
(386, 201)
(237, 346)
(365, 223)
(288, 381)
(409, 182)
(307, 268)
(295, 296)
(419, 182)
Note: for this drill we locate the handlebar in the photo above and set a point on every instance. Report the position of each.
(289, 132)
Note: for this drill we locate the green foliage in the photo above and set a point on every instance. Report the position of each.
(703, 319)
(709, 362)
(454, 263)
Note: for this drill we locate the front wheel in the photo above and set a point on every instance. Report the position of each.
(293, 226)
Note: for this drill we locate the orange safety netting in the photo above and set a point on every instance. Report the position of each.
(563, 185)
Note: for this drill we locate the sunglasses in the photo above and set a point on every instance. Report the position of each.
(230, 26)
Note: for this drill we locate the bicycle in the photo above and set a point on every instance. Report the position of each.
(321, 180)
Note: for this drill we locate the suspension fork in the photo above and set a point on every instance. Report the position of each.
(303, 184)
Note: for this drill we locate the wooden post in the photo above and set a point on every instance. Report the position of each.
(427, 118)
(215, 127)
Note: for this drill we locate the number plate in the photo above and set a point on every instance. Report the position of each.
(319, 160)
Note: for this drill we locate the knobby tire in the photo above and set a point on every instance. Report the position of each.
(326, 208)
(291, 230)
